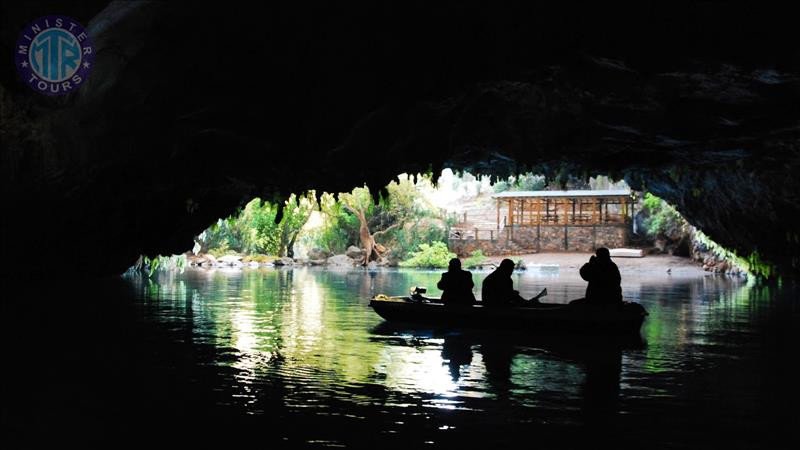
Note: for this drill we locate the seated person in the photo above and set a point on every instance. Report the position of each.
(498, 288)
(456, 285)
(604, 279)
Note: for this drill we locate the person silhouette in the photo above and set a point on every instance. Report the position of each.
(498, 288)
(456, 285)
(603, 277)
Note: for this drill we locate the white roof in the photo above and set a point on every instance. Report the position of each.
(573, 193)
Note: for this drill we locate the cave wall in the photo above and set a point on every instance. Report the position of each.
(193, 109)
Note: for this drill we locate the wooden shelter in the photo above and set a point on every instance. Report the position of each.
(575, 207)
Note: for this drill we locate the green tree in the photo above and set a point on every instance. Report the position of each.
(296, 212)
(359, 203)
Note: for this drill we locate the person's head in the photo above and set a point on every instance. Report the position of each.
(506, 266)
(455, 264)
(603, 254)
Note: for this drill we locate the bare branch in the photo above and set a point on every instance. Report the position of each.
(378, 233)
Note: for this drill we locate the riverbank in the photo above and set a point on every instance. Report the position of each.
(565, 263)
(570, 263)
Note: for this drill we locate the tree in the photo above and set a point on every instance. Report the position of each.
(359, 203)
(259, 227)
(296, 212)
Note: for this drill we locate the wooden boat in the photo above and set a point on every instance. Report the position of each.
(626, 317)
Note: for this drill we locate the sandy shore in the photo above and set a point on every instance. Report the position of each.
(647, 266)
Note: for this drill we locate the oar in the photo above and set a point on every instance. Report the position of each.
(540, 294)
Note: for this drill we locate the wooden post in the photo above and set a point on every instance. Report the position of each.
(573, 210)
(510, 212)
(498, 214)
(522, 212)
(538, 237)
(476, 234)
(491, 235)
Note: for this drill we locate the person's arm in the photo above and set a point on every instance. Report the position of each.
(442, 284)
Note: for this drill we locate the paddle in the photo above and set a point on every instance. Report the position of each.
(539, 295)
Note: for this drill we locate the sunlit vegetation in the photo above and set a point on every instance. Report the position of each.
(662, 217)
(407, 224)
(148, 266)
(475, 259)
(254, 230)
(389, 228)
(431, 256)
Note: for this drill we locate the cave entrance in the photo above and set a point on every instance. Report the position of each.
(422, 221)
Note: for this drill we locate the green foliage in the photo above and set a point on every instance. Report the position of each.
(358, 199)
(430, 256)
(525, 182)
(258, 232)
(339, 228)
(475, 259)
(296, 212)
(147, 266)
(254, 231)
(664, 219)
(501, 186)
(661, 218)
(407, 240)
(530, 182)
(752, 264)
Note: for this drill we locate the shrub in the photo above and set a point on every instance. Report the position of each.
(430, 256)
(475, 259)
(662, 218)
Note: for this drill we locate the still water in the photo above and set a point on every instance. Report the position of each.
(298, 357)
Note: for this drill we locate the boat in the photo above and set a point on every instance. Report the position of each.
(575, 317)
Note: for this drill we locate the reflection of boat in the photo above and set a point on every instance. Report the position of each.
(541, 318)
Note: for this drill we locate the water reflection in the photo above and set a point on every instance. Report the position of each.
(304, 341)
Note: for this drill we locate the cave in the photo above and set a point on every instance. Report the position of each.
(683, 101)
(192, 110)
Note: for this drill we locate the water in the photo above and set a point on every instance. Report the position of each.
(297, 358)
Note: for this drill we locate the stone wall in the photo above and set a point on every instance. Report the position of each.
(553, 238)
(464, 247)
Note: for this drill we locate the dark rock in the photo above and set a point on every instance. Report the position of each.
(144, 157)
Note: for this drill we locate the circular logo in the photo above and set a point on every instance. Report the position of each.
(54, 55)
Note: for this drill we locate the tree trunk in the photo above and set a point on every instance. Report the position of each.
(372, 250)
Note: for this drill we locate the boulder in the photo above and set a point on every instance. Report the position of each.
(318, 254)
(230, 260)
(283, 261)
(341, 261)
(354, 252)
